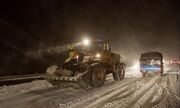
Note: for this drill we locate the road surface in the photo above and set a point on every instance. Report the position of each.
(132, 92)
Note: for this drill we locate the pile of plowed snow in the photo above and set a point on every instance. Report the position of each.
(13, 90)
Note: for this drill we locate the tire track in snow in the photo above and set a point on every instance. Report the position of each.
(159, 94)
(96, 93)
(105, 97)
(135, 99)
(144, 99)
(116, 100)
(151, 95)
(167, 97)
(127, 92)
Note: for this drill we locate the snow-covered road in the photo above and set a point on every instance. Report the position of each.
(132, 92)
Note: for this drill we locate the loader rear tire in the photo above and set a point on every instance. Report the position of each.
(120, 72)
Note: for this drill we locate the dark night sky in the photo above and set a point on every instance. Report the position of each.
(132, 26)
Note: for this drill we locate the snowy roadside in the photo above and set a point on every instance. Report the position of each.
(14, 90)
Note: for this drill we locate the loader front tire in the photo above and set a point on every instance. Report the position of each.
(98, 75)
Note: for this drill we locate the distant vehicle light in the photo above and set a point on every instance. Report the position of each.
(135, 66)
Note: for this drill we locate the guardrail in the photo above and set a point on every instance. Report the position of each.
(9, 80)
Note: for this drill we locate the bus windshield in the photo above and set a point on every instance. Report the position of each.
(150, 62)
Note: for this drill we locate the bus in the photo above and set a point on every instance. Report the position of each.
(151, 62)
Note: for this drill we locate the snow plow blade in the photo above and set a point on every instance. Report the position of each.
(61, 80)
(65, 78)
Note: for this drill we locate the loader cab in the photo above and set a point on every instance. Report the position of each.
(96, 51)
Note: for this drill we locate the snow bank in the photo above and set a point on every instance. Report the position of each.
(13, 90)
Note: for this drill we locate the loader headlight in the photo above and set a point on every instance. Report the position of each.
(86, 42)
(98, 55)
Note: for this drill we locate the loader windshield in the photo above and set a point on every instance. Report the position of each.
(101, 46)
(98, 46)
